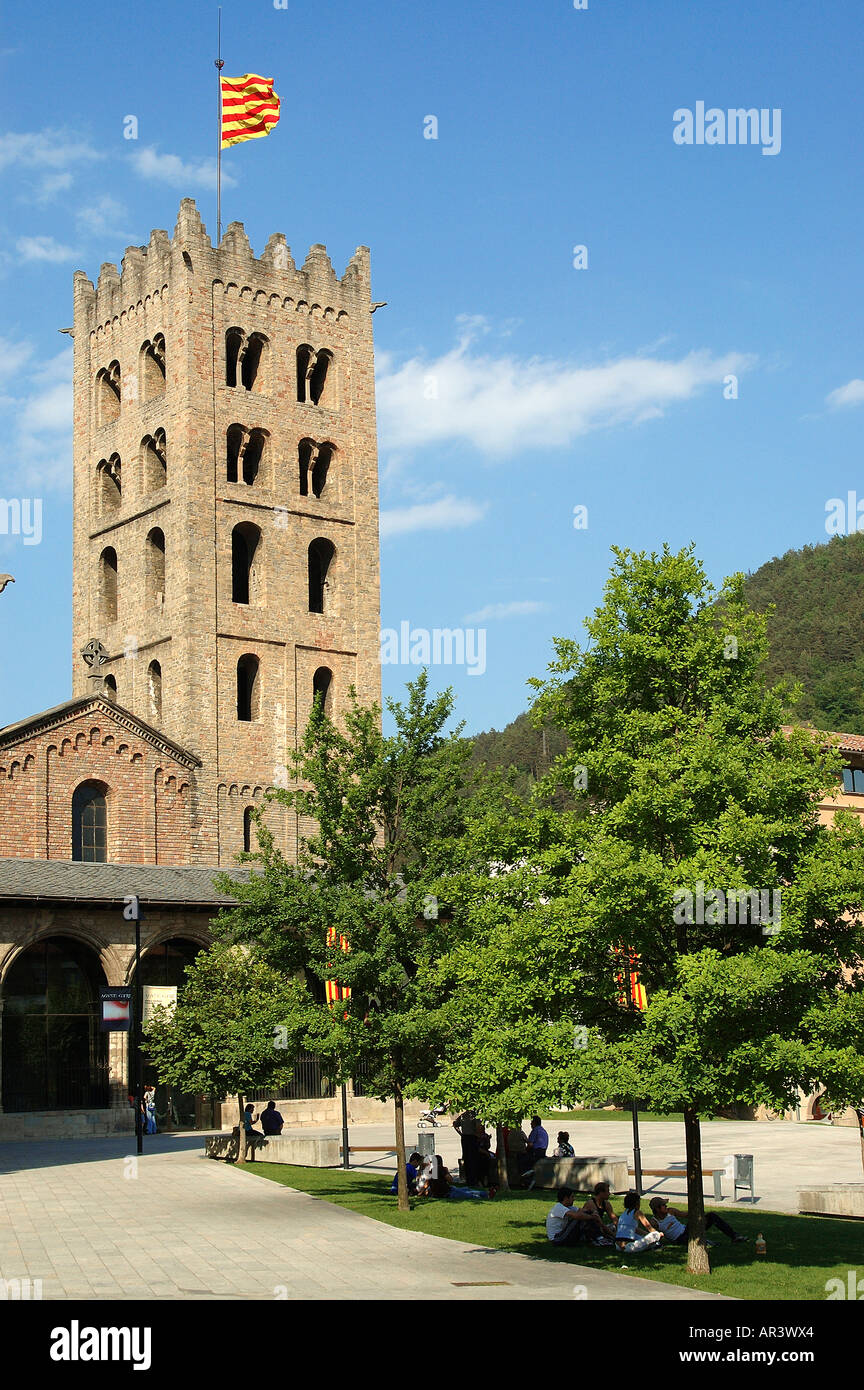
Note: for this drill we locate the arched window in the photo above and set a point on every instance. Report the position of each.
(154, 690)
(109, 492)
(111, 684)
(252, 366)
(152, 367)
(108, 394)
(90, 823)
(154, 568)
(154, 457)
(321, 554)
(253, 455)
(321, 683)
(236, 435)
(247, 688)
(247, 830)
(321, 468)
(108, 584)
(245, 540)
(233, 343)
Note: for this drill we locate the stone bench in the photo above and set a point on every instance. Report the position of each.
(582, 1173)
(300, 1151)
(837, 1199)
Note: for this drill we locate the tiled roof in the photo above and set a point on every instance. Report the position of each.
(66, 880)
(847, 743)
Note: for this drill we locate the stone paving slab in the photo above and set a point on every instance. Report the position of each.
(187, 1227)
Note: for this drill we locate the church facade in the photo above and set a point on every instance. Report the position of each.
(225, 575)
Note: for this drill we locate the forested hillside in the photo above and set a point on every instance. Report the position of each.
(816, 639)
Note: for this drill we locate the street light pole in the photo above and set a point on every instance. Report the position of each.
(346, 1154)
(132, 913)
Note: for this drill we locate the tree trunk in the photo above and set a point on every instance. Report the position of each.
(503, 1176)
(401, 1176)
(697, 1255)
(241, 1135)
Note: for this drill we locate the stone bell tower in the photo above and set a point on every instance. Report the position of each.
(226, 504)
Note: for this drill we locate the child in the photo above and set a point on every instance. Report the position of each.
(631, 1225)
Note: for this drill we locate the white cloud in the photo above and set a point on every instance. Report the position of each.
(518, 609)
(179, 173)
(445, 514)
(101, 217)
(502, 404)
(52, 184)
(850, 394)
(53, 149)
(43, 248)
(38, 424)
(13, 356)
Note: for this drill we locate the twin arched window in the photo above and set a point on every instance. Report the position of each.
(154, 459)
(152, 367)
(244, 359)
(315, 460)
(245, 454)
(108, 394)
(314, 375)
(90, 823)
(109, 490)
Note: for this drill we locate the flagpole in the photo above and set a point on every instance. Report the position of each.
(219, 66)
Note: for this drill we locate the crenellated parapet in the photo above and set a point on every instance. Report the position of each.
(149, 272)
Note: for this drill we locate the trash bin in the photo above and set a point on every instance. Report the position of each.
(742, 1175)
(425, 1142)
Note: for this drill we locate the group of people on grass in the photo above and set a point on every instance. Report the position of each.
(595, 1222)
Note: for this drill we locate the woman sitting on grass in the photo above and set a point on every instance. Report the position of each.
(634, 1231)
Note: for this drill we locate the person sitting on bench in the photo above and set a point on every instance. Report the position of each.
(563, 1147)
(673, 1223)
(634, 1231)
(564, 1226)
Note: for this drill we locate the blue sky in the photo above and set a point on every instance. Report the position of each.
(551, 386)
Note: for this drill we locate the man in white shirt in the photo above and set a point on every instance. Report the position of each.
(673, 1223)
(564, 1226)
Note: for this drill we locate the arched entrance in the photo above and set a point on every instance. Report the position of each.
(54, 1055)
(164, 965)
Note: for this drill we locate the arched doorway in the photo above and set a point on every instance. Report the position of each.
(55, 1056)
(164, 965)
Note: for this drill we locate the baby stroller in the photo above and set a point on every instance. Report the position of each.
(429, 1117)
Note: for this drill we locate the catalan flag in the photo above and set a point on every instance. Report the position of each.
(250, 108)
(631, 991)
(334, 990)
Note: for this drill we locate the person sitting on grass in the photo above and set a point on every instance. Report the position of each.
(634, 1231)
(563, 1147)
(564, 1226)
(434, 1180)
(673, 1223)
(599, 1205)
(412, 1170)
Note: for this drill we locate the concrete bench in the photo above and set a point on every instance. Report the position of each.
(836, 1199)
(582, 1173)
(298, 1150)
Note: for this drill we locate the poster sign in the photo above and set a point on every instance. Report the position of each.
(115, 1009)
(158, 994)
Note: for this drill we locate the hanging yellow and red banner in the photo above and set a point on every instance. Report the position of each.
(334, 990)
(631, 991)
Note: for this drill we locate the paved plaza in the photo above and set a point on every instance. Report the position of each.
(91, 1224)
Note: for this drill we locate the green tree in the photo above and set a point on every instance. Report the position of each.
(686, 779)
(379, 817)
(235, 1028)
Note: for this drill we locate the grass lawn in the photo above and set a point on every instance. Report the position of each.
(802, 1251)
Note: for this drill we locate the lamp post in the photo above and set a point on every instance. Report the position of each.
(346, 1154)
(132, 913)
(634, 1105)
